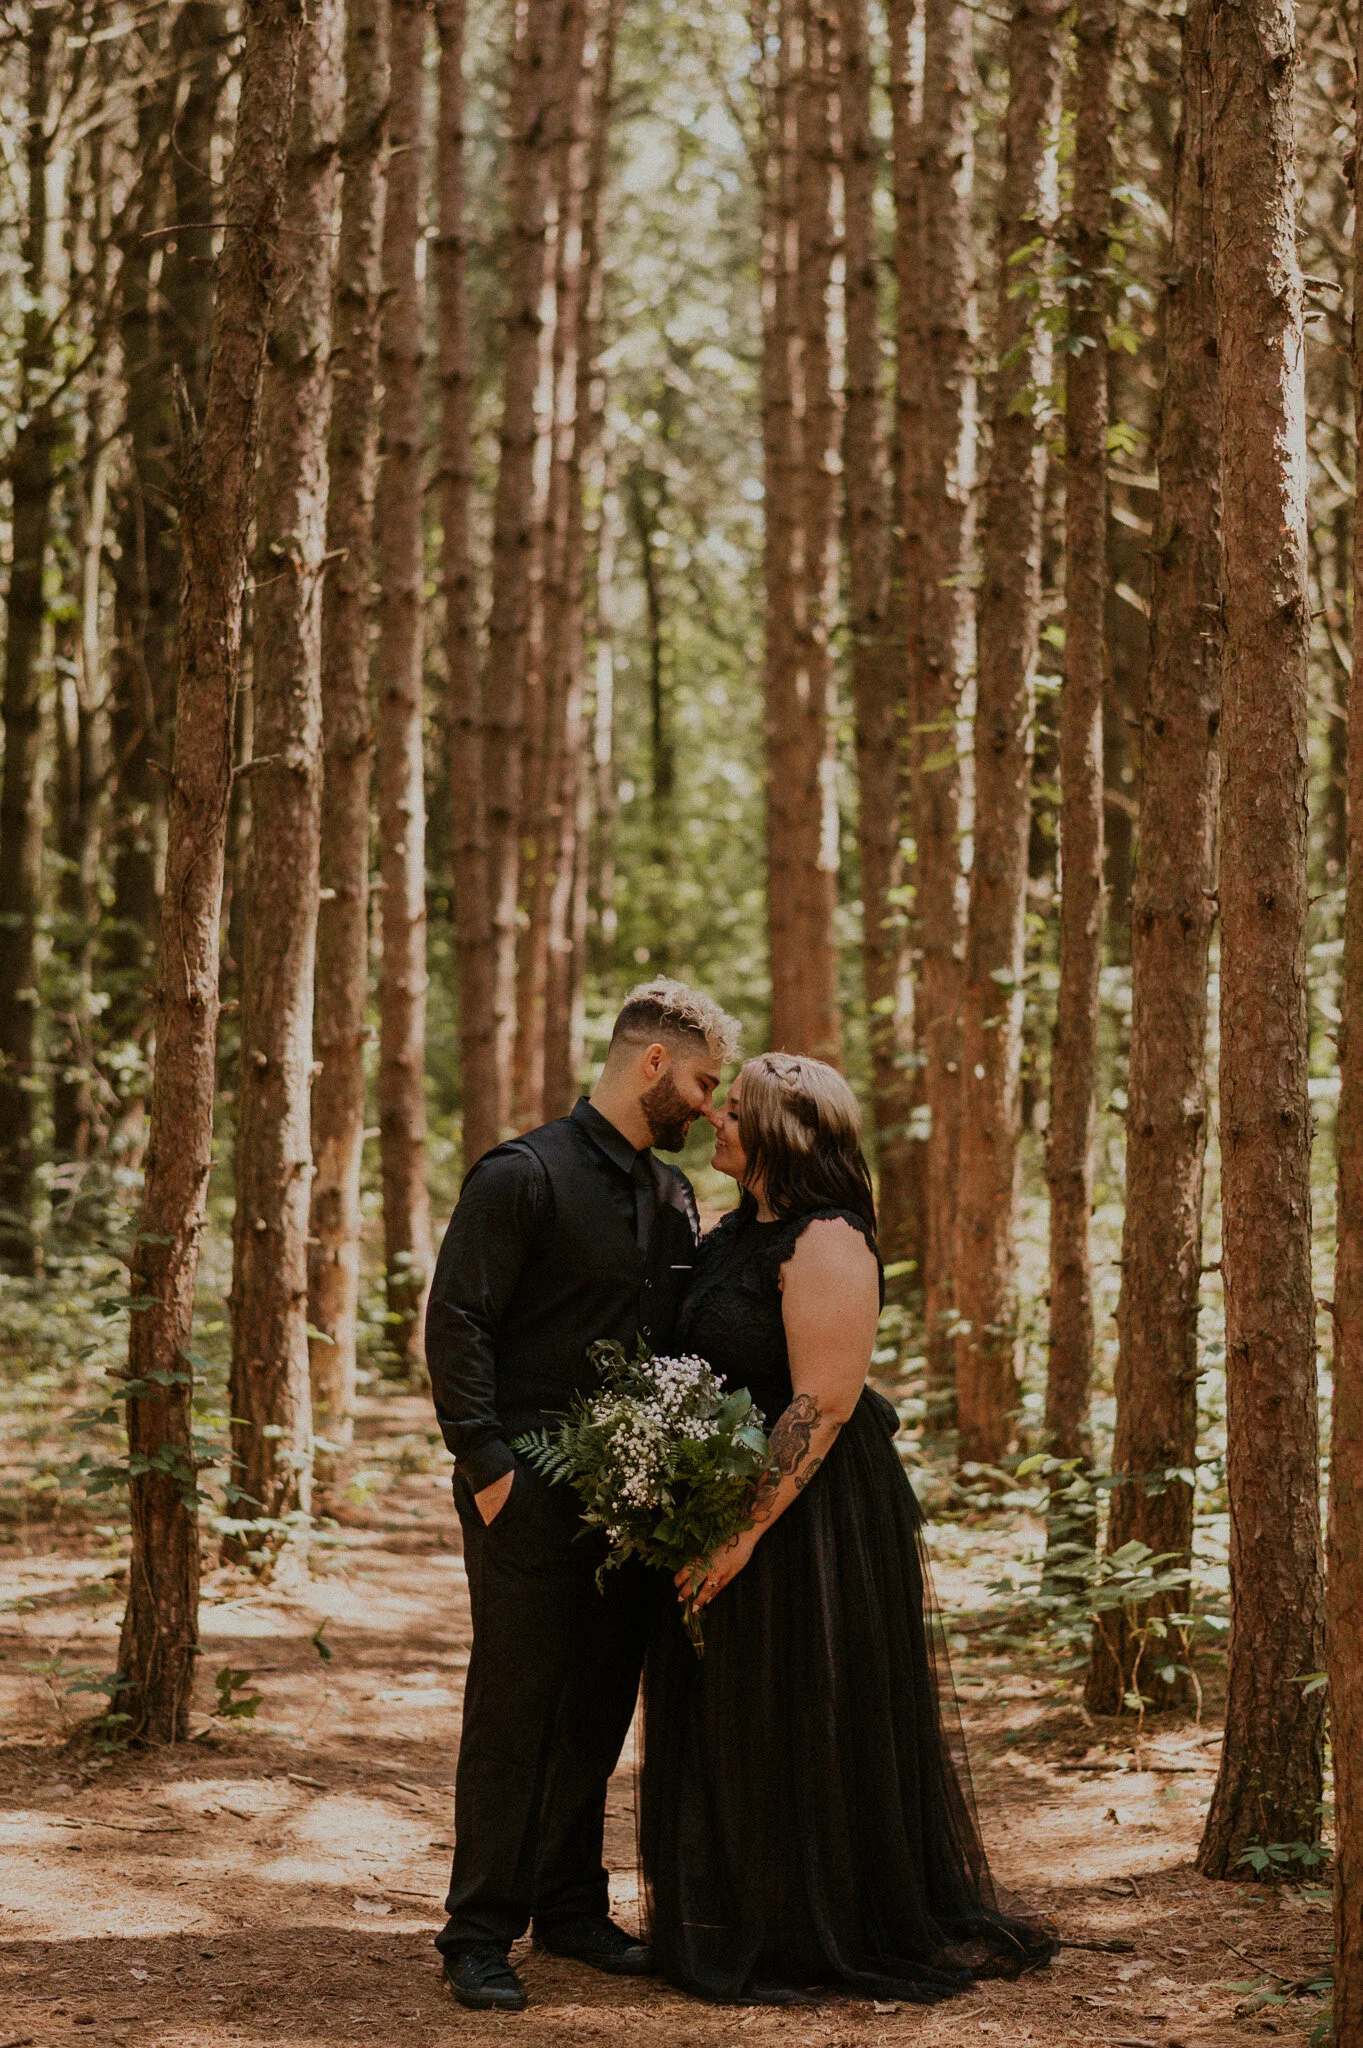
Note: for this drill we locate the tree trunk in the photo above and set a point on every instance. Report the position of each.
(875, 660)
(564, 638)
(1344, 1580)
(815, 1022)
(942, 652)
(535, 85)
(159, 1641)
(478, 1044)
(1269, 1785)
(269, 1391)
(602, 887)
(1074, 1040)
(200, 45)
(33, 481)
(398, 674)
(897, 1059)
(338, 1033)
(1172, 913)
(561, 534)
(783, 539)
(985, 1266)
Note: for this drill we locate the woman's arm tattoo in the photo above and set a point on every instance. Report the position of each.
(789, 1447)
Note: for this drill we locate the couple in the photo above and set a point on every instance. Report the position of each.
(802, 1822)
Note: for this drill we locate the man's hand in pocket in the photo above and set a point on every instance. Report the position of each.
(493, 1499)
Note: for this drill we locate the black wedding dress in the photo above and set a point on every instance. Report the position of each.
(802, 1820)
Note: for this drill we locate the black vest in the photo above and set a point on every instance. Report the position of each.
(585, 1278)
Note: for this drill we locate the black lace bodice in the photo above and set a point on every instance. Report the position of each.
(732, 1313)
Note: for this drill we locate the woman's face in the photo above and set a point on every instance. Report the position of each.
(729, 1156)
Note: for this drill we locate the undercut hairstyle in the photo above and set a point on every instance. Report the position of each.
(663, 1012)
(800, 1128)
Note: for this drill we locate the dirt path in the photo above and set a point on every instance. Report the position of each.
(280, 1881)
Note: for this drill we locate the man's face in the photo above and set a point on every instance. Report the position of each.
(684, 1089)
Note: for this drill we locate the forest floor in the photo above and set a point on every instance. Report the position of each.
(278, 1880)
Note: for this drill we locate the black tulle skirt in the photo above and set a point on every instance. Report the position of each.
(804, 1811)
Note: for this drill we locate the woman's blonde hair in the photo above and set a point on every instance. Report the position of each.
(800, 1128)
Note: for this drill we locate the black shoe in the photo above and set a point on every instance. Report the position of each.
(598, 1943)
(482, 1979)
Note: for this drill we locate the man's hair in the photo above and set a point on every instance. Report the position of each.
(663, 1012)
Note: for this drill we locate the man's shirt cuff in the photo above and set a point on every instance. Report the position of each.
(489, 1463)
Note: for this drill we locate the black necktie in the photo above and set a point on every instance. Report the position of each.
(645, 1199)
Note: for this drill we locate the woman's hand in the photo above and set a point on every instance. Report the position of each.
(699, 1586)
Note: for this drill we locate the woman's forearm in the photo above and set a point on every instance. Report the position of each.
(804, 1434)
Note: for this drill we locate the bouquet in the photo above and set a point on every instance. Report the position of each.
(661, 1457)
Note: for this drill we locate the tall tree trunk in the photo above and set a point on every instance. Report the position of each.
(159, 1641)
(1172, 913)
(897, 1059)
(1269, 1785)
(815, 1025)
(605, 802)
(1074, 1041)
(478, 1042)
(338, 1032)
(1344, 1579)
(985, 1266)
(875, 660)
(33, 482)
(271, 1401)
(567, 848)
(398, 674)
(783, 540)
(942, 652)
(560, 531)
(535, 85)
(200, 45)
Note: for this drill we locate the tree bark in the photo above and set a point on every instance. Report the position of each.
(1269, 1785)
(814, 1024)
(985, 1266)
(159, 1641)
(475, 950)
(535, 84)
(398, 671)
(941, 655)
(1172, 913)
(269, 1389)
(338, 1035)
(1074, 1039)
(875, 659)
(1344, 1578)
(33, 483)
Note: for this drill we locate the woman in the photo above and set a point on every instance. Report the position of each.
(802, 1822)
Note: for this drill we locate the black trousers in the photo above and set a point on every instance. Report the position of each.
(552, 1684)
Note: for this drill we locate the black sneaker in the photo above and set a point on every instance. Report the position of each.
(598, 1943)
(482, 1979)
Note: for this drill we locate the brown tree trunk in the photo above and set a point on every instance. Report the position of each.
(985, 1266)
(478, 1044)
(940, 657)
(33, 482)
(1344, 1579)
(1172, 913)
(876, 662)
(1074, 1040)
(159, 1641)
(338, 1032)
(1269, 1785)
(398, 673)
(200, 45)
(269, 1390)
(815, 1023)
(564, 639)
(605, 805)
(535, 86)
(783, 541)
(560, 596)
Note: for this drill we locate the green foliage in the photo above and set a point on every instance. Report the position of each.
(662, 1459)
(233, 1702)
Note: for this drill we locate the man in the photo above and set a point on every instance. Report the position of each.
(569, 1234)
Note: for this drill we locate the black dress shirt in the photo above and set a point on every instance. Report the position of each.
(561, 1237)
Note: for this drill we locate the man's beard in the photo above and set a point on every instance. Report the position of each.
(668, 1117)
